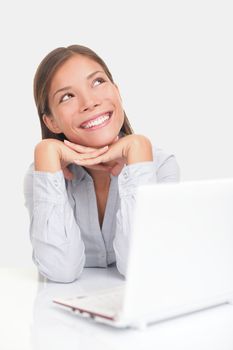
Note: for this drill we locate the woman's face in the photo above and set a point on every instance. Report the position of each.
(85, 105)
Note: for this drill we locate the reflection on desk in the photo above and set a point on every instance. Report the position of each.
(30, 320)
(62, 329)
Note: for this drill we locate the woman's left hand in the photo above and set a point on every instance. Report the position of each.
(126, 150)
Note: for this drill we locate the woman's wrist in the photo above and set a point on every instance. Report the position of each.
(138, 149)
(47, 156)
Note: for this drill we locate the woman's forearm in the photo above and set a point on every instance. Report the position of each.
(46, 156)
(139, 150)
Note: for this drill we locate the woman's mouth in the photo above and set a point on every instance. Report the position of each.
(97, 122)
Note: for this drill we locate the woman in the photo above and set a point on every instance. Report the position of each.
(81, 188)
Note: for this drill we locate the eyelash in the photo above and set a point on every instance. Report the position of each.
(66, 94)
(70, 94)
(101, 79)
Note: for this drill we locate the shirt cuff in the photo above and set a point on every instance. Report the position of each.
(48, 187)
(134, 175)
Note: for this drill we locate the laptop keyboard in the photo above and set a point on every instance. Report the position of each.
(107, 303)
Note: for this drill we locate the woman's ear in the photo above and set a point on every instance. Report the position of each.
(51, 124)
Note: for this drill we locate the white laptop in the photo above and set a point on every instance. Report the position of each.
(180, 260)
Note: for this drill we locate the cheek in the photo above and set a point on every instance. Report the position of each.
(66, 113)
(122, 119)
(119, 107)
(109, 92)
(120, 115)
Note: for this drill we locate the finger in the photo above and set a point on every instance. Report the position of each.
(89, 161)
(79, 148)
(106, 157)
(93, 154)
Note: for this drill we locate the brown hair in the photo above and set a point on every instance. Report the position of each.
(44, 75)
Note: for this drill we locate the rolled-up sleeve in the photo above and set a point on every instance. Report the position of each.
(58, 250)
(163, 168)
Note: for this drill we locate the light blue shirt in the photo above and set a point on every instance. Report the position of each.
(64, 227)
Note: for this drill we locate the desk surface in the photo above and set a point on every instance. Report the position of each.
(30, 320)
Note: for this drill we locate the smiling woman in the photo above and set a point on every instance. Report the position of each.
(81, 187)
(83, 99)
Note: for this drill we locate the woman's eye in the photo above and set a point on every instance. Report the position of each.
(101, 80)
(66, 97)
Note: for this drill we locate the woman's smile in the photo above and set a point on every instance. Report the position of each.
(97, 122)
(90, 113)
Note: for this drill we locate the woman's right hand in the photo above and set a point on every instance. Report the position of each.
(52, 155)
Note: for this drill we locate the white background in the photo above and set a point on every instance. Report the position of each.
(172, 60)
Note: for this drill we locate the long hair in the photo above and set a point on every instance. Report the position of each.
(43, 78)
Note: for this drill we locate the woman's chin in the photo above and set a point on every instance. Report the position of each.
(106, 141)
(109, 141)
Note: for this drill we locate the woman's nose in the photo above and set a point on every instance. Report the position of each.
(88, 102)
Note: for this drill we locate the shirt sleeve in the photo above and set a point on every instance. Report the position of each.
(58, 250)
(163, 168)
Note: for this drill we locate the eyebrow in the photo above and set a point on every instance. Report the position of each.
(69, 87)
(92, 74)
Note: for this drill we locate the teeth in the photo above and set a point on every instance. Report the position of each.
(100, 120)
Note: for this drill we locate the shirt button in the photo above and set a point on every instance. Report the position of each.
(56, 183)
(125, 175)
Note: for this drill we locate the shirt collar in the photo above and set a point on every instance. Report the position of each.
(79, 173)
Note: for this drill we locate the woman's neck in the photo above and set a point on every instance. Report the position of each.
(101, 179)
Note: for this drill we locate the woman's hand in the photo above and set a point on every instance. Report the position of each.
(52, 155)
(126, 150)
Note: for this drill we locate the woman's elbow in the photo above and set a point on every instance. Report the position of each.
(62, 274)
(121, 267)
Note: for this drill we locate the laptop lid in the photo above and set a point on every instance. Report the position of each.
(181, 256)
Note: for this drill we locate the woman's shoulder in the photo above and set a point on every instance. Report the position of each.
(166, 165)
(28, 179)
(41, 177)
(29, 171)
(160, 155)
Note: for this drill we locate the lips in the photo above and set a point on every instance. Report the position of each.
(95, 118)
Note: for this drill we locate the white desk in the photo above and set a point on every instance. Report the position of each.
(29, 319)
